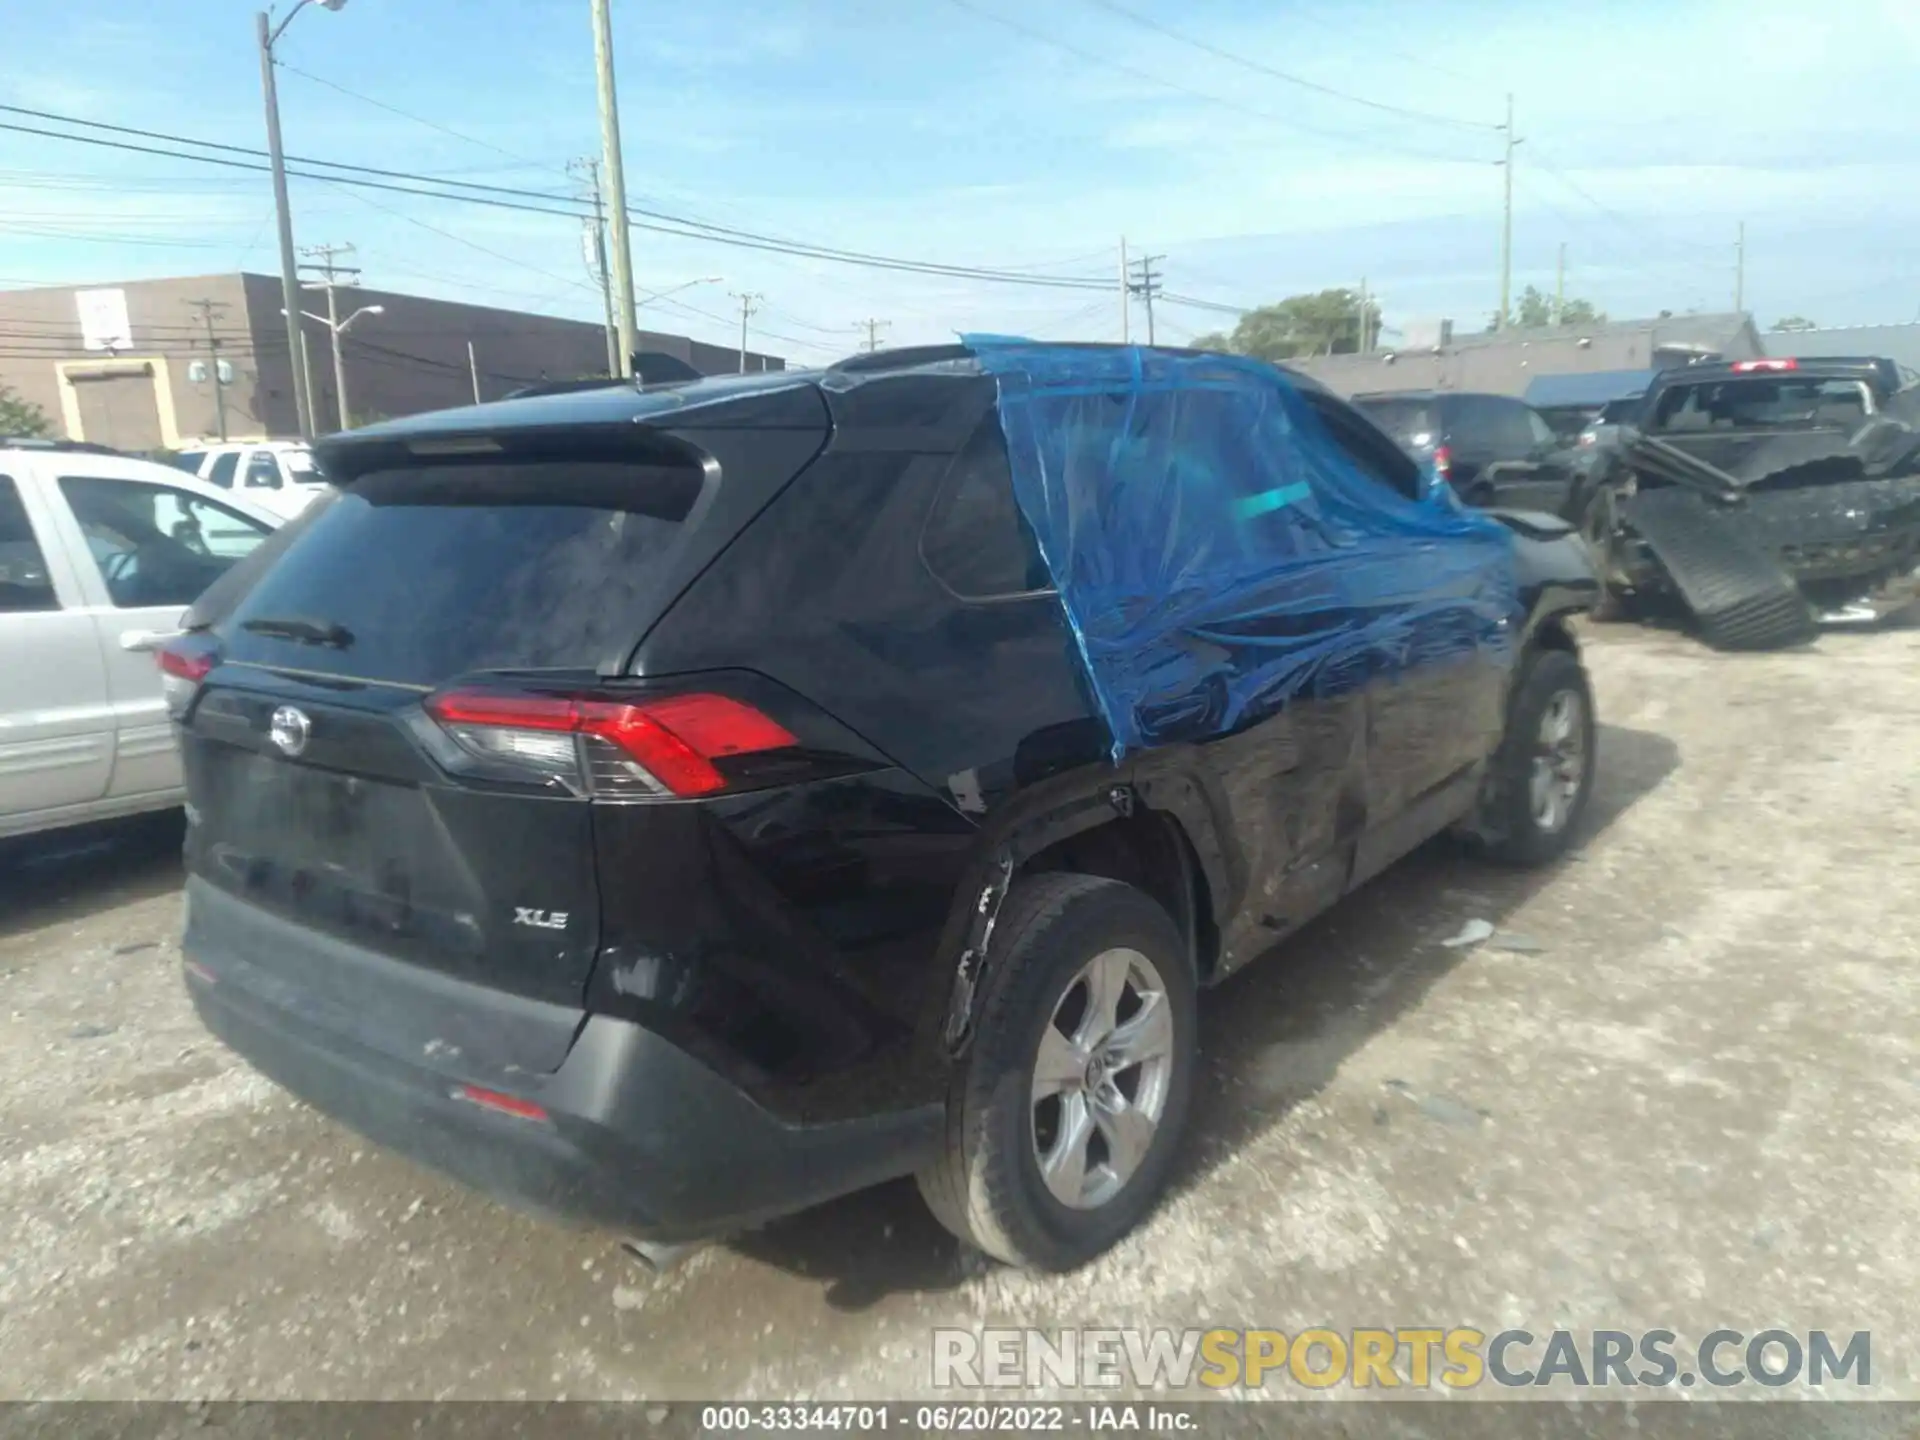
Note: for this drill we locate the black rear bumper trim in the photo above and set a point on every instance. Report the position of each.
(640, 1136)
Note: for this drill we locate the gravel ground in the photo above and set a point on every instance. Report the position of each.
(1682, 1096)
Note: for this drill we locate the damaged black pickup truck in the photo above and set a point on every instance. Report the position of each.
(1764, 497)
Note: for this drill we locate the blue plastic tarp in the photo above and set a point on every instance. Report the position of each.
(1218, 552)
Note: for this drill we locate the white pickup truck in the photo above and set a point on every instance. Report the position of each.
(100, 555)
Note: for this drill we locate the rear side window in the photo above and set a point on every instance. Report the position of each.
(1749, 404)
(1486, 424)
(438, 571)
(221, 473)
(1371, 456)
(188, 460)
(1410, 422)
(263, 471)
(25, 583)
(976, 542)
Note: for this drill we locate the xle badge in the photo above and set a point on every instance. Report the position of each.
(540, 919)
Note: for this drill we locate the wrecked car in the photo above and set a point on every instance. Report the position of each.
(1762, 496)
(674, 806)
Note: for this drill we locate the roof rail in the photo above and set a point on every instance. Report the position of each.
(44, 442)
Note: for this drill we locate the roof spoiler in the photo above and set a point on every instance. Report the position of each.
(650, 367)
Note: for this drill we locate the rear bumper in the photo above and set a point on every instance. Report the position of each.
(637, 1135)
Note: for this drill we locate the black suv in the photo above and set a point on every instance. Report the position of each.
(675, 806)
(1462, 435)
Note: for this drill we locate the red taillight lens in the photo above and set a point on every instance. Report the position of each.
(502, 1104)
(675, 740)
(194, 665)
(1442, 461)
(184, 663)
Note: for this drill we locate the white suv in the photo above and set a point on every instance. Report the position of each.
(100, 555)
(279, 475)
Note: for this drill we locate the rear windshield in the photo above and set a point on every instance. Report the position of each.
(419, 575)
(1408, 421)
(1761, 404)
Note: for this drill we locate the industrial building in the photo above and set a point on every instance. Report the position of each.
(1505, 362)
(157, 364)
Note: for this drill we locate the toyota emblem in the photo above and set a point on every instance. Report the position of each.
(290, 729)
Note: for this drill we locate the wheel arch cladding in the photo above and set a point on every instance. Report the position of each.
(1217, 551)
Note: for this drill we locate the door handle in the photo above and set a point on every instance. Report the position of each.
(143, 641)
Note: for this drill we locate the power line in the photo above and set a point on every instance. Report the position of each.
(539, 202)
(1114, 7)
(408, 115)
(1286, 122)
(1198, 304)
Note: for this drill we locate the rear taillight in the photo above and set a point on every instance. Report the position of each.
(677, 745)
(1443, 462)
(184, 663)
(500, 1104)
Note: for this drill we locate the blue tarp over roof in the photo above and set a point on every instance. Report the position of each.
(1219, 553)
(1594, 387)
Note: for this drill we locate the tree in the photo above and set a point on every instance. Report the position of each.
(21, 417)
(1535, 312)
(1325, 323)
(1793, 324)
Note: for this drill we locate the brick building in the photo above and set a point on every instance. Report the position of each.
(130, 365)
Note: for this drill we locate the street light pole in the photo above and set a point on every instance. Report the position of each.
(338, 327)
(268, 33)
(623, 308)
(289, 276)
(339, 360)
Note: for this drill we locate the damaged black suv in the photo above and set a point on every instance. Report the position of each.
(671, 807)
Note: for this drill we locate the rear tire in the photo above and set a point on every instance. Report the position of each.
(1065, 1116)
(1542, 774)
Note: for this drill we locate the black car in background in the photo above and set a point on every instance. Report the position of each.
(677, 806)
(1462, 434)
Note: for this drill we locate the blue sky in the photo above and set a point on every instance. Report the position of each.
(1010, 133)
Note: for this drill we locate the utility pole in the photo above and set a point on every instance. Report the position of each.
(1147, 286)
(208, 309)
(873, 328)
(473, 369)
(1364, 347)
(597, 256)
(748, 304)
(1560, 285)
(1740, 269)
(625, 318)
(1506, 220)
(289, 275)
(1126, 296)
(332, 274)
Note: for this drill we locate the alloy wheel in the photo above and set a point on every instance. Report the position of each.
(1101, 1077)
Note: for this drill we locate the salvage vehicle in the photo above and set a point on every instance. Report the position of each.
(674, 806)
(1573, 402)
(1493, 449)
(1764, 496)
(100, 555)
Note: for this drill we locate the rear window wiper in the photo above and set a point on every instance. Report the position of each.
(306, 632)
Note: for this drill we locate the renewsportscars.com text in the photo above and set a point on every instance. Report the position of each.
(1414, 1357)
